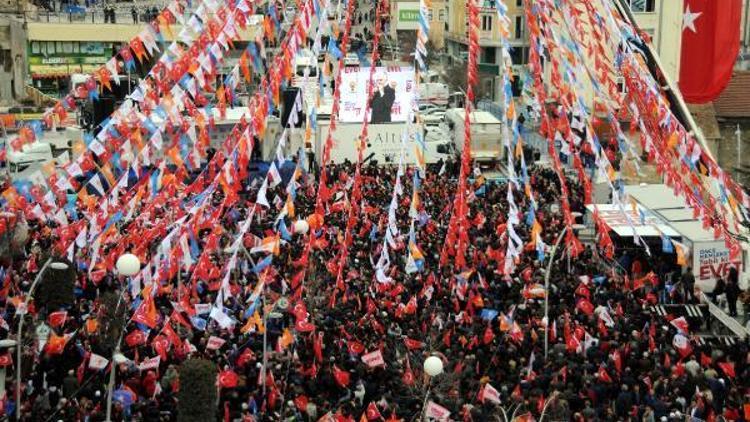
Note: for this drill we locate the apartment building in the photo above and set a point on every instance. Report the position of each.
(405, 19)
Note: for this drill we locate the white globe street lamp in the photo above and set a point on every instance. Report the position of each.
(128, 265)
(433, 366)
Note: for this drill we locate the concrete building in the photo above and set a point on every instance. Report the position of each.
(13, 70)
(457, 47)
(42, 50)
(405, 21)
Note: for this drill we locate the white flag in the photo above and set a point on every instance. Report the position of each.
(373, 359)
(98, 362)
(215, 343)
(150, 363)
(436, 411)
(490, 393)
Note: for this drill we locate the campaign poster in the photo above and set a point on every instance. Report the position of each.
(392, 97)
(711, 260)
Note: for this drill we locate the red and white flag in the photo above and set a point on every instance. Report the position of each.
(150, 363)
(215, 343)
(57, 319)
(710, 45)
(490, 393)
(681, 324)
(98, 362)
(373, 359)
(682, 345)
(436, 411)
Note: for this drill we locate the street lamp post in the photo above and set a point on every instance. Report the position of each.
(127, 265)
(433, 366)
(19, 333)
(546, 283)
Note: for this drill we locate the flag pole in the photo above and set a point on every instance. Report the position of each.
(670, 90)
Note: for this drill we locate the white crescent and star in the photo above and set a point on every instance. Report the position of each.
(689, 18)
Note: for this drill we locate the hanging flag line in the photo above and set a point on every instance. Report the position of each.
(356, 195)
(457, 231)
(316, 221)
(86, 160)
(123, 183)
(260, 112)
(172, 13)
(674, 145)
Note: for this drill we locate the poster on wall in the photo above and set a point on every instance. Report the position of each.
(393, 95)
(710, 261)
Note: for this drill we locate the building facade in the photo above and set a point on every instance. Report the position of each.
(661, 19)
(405, 19)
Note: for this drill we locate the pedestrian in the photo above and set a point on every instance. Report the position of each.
(134, 12)
(732, 291)
(688, 286)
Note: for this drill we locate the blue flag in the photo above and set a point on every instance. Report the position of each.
(262, 265)
(334, 49)
(666, 244)
(488, 314)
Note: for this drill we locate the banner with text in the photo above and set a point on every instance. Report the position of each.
(392, 96)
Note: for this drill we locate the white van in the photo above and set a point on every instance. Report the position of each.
(36, 152)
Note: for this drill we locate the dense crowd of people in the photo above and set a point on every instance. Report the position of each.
(608, 358)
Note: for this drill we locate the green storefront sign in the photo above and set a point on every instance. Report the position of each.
(408, 15)
(67, 60)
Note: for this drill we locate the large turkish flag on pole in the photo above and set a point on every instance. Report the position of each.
(710, 44)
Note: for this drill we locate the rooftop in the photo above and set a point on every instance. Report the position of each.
(735, 101)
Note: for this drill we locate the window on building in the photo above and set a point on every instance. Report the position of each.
(519, 27)
(519, 3)
(441, 15)
(35, 49)
(486, 22)
(489, 55)
(519, 55)
(429, 15)
(50, 47)
(621, 87)
(642, 6)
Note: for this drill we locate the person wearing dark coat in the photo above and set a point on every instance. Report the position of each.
(382, 101)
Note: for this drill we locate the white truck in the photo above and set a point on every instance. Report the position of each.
(486, 138)
(384, 143)
(433, 93)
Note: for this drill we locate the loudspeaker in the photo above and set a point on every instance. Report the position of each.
(288, 96)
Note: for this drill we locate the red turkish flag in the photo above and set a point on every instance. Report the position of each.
(710, 44)
(341, 377)
(228, 379)
(6, 360)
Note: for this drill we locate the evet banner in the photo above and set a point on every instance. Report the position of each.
(392, 96)
(711, 261)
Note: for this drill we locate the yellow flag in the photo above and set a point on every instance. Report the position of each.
(286, 339)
